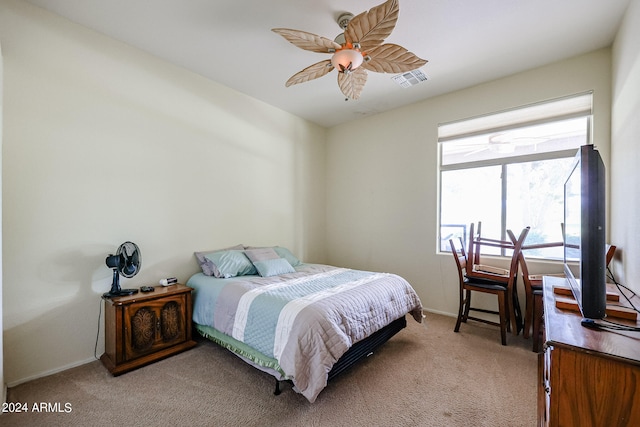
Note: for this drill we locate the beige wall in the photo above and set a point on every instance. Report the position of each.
(2, 383)
(103, 144)
(625, 149)
(382, 179)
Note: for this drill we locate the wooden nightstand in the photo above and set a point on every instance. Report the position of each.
(146, 327)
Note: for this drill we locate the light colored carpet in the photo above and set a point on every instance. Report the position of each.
(427, 375)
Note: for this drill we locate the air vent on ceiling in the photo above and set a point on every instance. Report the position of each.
(410, 78)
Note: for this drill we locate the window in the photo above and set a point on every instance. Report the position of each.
(508, 169)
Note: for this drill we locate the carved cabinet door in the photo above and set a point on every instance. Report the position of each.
(153, 325)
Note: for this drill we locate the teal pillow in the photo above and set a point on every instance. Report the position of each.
(231, 263)
(208, 268)
(273, 267)
(286, 254)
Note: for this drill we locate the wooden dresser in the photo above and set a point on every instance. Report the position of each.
(145, 327)
(587, 377)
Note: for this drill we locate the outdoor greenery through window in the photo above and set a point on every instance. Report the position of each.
(507, 170)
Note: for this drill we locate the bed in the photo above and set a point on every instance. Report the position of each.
(300, 322)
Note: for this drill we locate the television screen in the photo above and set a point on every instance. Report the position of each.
(584, 232)
(572, 218)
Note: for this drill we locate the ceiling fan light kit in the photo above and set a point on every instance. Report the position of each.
(347, 60)
(358, 49)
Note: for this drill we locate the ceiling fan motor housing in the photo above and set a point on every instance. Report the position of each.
(343, 19)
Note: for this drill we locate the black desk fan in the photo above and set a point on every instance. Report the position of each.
(127, 262)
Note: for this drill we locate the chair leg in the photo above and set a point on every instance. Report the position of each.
(461, 309)
(528, 315)
(502, 309)
(513, 316)
(507, 310)
(467, 306)
(518, 311)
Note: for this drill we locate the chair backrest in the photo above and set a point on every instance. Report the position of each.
(460, 258)
(478, 236)
(475, 236)
(505, 276)
(611, 251)
(524, 271)
(474, 252)
(528, 282)
(460, 255)
(476, 241)
(517, 247)
(523, 263)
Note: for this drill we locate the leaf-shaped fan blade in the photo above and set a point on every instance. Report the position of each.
(372, 27)
(307, 41)
(351, 84)
(312, 72)
(391, 58)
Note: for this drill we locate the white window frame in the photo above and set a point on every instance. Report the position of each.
(573, 106)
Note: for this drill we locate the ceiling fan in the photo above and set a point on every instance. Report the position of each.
(358, 49)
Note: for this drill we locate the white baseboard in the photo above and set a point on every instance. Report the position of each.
(444, 313)
(51, 372)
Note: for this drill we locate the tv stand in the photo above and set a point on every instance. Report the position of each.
(587, 377)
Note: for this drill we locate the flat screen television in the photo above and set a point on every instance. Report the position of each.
(584, 232)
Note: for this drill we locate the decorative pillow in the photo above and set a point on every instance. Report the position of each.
(209, 268)
(261, 254)
(286, 254)
(273, 267)
(231, 263)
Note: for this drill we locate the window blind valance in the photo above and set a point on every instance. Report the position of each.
(580, 105)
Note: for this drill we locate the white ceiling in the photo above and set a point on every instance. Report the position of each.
(465, 41)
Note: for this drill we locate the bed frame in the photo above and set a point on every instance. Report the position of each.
(360, 350)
